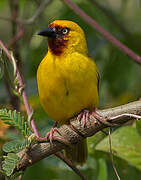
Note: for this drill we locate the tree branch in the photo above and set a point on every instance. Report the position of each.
(105, 33)
(45, 149)
(37, 13)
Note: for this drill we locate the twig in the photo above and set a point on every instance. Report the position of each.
(111, 155)
(105, 33)
(8, 19)
(27, 106)
(116, 22)
(17, 37)
(21, 23)
(19, 34)
(37, 13)
(126, 115)
(70, 164)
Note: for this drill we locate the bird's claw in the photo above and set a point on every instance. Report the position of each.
(49, 135)
(83, 117)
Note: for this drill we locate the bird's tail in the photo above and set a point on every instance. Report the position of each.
(78, 154)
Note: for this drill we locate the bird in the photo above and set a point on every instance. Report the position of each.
(68, 79)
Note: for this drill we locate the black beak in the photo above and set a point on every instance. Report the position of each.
(49, 32)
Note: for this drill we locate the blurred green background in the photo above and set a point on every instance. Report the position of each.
(120, 79)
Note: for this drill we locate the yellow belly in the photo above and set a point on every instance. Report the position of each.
(67, 85)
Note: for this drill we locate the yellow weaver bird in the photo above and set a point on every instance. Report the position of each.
(67, 78)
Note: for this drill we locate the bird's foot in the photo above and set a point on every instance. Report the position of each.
(50, 135)
(83, 117)
(100, 118)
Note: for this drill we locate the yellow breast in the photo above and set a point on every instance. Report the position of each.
(67, 85)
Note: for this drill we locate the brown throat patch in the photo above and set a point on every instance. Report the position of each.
(57, 45)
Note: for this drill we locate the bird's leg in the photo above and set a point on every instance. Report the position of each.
(83, 117)
(49, 135)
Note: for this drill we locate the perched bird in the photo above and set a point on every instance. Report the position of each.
(67, 78)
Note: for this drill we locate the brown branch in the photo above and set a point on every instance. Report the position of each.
(105, 33)
(27, 106)
(117, 23)
(14, 20)
(37, 13)
(110, 16)
(45, 149)
(8, 19)
(18, 36)
(70, 164)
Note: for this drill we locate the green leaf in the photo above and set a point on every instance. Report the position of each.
(10, 162)
(15, 145)
(138, 126)
(126, 144)
(2, 172)
(102, 174)
(15, 119)
(93, 141)
(15, 175)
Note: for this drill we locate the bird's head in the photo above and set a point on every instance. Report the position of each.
(65, 37)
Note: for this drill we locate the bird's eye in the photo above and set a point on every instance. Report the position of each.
(65, 31)
(54, 29)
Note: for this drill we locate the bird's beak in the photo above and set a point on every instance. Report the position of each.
(48, 32)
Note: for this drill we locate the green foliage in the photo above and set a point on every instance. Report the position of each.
(15, 145)
(1, 65)
(93, 141)
(48, 170)
(15, 175)
(2, 172)
(10, 162)
(15, 119)
(102, 175)
(138, 126)
(126, 144)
